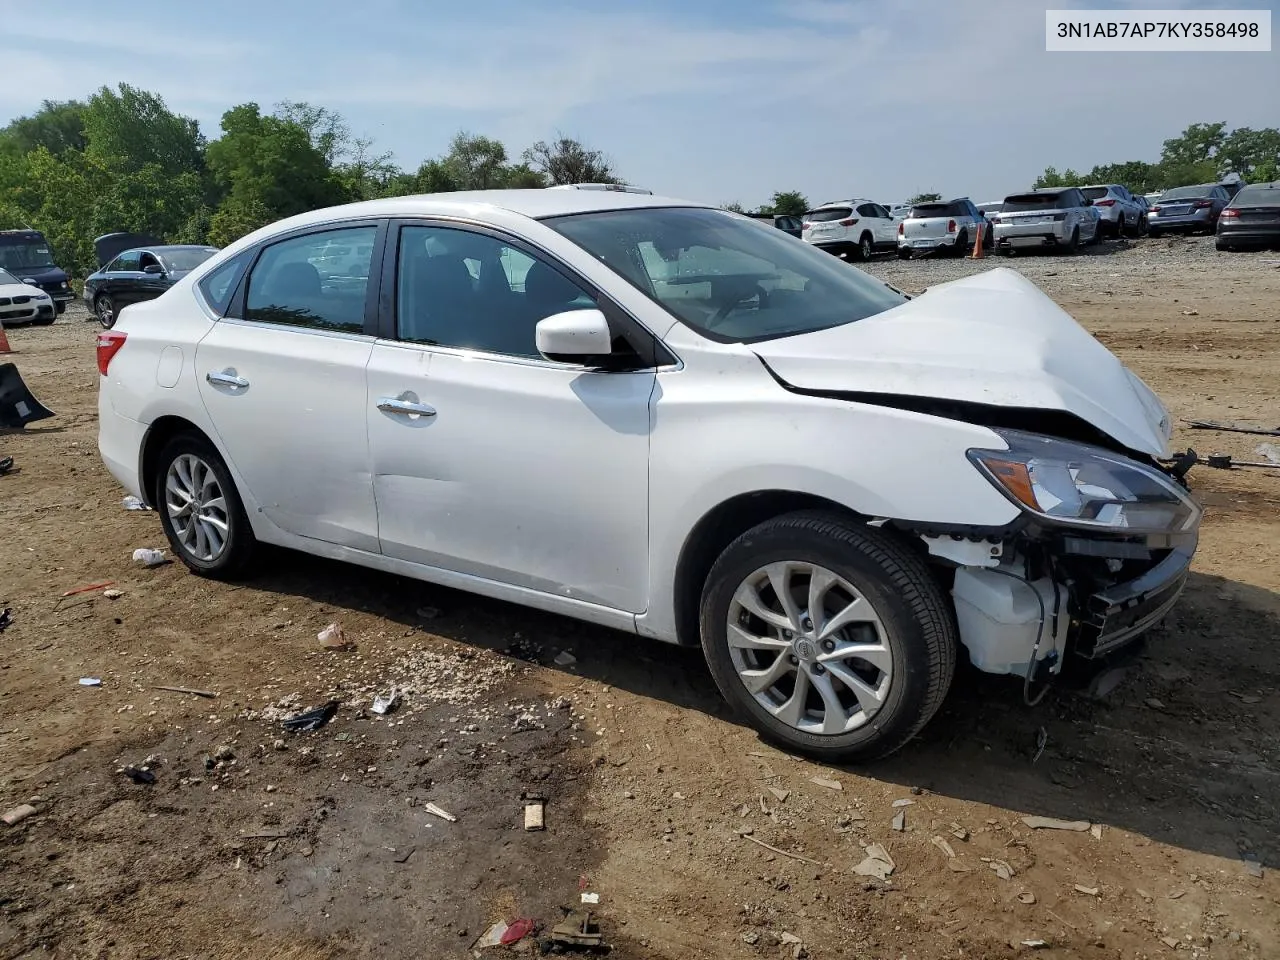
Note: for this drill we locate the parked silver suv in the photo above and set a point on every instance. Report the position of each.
(1056, 217)
(1119, 211)
(949, 227)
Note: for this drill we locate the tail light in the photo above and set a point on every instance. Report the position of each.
(849, 223)
(109, 344)
(1201, 204)
(807, 225)
(900, 226)
(1104, 203)
(1229, 214)
(1156, 208)
(951, 226)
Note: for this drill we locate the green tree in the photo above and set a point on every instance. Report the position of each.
(788, 203)
(131, 128)
(1251, 153)
(565, 160)
(1197, 143)
(925, 198)
(1052, 178)
(1138, 175)
(267, 168)
(58, 126)
(733, 207)
(475, 162)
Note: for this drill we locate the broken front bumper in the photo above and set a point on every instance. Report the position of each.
(1023, 607)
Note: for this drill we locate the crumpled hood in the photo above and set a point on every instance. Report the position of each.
(993, 339)
(40, 274)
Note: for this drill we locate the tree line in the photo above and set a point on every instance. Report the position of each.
(122, 160)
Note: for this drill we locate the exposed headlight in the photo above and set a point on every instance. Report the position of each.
(42, 296)
(1085, 486)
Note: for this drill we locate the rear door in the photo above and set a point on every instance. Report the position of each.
(282, 376)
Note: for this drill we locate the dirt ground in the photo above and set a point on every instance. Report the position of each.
(255, 842)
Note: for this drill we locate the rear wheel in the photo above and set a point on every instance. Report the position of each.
(1152, 232)
(830, 637)
(1120, 227)
(904, 253)
(1219, 244)
(865, 248)
(200, 510)
(105, 309)
(962, 244)
(1074, 243)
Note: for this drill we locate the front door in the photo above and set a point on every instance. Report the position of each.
(488, 459)
(283, 380)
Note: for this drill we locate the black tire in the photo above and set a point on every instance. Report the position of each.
(1120, 225)
(1152, 233)
(1073, 244)
(59, 307)
(104, 309)
(988, 238)
(904, 253)
(44, 321)
(961, 245)
(241, 546)
(1225, 247)
(865, 248)
(919, 628)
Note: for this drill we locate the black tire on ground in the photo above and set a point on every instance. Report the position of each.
(988, 238)
(904, 253)
(918, 626)
(1152, 232)
(59, 306)
(1220, 245)
(45, 321)
(1142, 226)
(961, 245)
(105, 310)
(1073, 244)
(865, 248)
(237, 558)
(1120, 225)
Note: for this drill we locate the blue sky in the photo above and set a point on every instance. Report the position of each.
(705, 99)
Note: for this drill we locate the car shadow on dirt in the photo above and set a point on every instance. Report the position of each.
(1182, 749)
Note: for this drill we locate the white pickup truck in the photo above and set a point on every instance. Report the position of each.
(949, 226)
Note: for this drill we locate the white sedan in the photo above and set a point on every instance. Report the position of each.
(659, 417)
(24, 302)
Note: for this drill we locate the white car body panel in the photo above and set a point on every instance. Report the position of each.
(1014, 347)
(22, 313)
(575, 491)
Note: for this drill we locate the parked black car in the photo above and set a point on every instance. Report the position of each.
(136, 268)
(1252, 218)
(26, 255)
(790, 225)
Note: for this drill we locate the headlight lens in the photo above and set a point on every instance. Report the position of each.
(1085, 486)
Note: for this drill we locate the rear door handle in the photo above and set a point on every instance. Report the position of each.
(226, 378)
(409, 407)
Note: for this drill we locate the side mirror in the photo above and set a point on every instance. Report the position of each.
(153, 268)
(575, 336)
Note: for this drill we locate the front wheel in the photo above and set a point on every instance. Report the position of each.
(830, 637)
(201, 511)
(105, 309)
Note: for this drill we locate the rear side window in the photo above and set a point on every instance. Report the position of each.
(219, 285)
(867, 210)
(300, 282)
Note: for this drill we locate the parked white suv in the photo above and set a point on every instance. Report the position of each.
(1119, 211)
(660, 417)
(859, 228)
(1057, 217)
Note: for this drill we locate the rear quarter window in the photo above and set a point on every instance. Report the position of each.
(219, 285)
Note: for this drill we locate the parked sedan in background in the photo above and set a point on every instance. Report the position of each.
(1188, 208)
(1053, 217)
(951, 227)
(1119, 211)
(990, 209)
(1252, 218)
(22, 302)
(857, 227)
(137, 275)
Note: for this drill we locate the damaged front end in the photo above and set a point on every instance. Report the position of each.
(1098, 555)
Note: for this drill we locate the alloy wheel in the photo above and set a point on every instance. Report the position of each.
(197, 508)
(106, 313)
(866, 248)
(809, 647)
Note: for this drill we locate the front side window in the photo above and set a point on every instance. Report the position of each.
(470, 291)
(148, 260)
(285, 285)
(724, 277)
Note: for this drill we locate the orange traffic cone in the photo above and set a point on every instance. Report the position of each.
(979, 251)
(4, 342)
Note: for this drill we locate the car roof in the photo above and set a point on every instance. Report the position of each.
(842, 203)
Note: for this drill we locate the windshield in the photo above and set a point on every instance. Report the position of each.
(725, 277)
(1188, 193)
(1257, 197)
(25, 255)
(7, 277)
(179, 260)
(1029, 201)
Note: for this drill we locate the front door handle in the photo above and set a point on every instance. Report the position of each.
(226, 378)
(409, 407)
